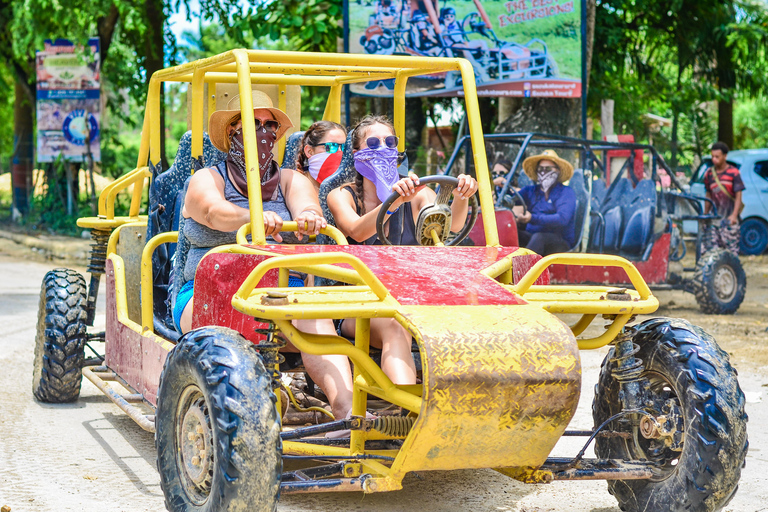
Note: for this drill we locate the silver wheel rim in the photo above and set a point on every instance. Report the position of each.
(194, 445)
(724, 283)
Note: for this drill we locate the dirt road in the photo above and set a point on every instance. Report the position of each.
(89, 456)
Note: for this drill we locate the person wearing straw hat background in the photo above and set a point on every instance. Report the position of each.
(216, 205)
(551, 205)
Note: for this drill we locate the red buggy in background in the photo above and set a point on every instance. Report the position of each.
(622, 209)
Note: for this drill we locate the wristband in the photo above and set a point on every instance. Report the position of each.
(394, 212)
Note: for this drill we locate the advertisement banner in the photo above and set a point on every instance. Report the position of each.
(68, 101)
(522, 48)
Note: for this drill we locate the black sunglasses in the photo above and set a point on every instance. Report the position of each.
(390, 141)
(331, 147)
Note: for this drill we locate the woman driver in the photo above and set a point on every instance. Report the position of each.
(216, 205)
(355, 209)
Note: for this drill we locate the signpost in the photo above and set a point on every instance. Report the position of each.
(68, 102)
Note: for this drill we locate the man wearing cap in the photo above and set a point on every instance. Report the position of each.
(551, 205)
(216, 205)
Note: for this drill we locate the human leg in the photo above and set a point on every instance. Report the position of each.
(730, 236)
(709, 239)
(395, 344)
(331, 372)
(523, 237)
(546, 243)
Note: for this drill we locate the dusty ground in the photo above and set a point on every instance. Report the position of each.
(89, 456)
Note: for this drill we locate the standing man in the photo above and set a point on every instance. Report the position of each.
(724, 185)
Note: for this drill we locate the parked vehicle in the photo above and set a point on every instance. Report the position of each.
(753, 166)
(501, 373)
(623, 211)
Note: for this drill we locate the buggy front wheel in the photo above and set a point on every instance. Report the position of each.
(693, 386)
(218, 435)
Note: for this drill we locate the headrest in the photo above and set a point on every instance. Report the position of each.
(291, 150)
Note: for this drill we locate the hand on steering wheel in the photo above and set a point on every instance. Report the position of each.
(434, 222)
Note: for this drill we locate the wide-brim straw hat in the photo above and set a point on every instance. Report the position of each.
(221, 119)
(530, 164)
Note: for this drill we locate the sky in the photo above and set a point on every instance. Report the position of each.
(178, 21)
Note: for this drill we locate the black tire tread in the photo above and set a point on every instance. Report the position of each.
(243, 416)
(60, 338)
(708, 470)
(704, 291)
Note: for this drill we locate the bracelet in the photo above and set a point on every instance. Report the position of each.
(394, 212)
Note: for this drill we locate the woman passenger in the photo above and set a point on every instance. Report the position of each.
(355, 207)
(549, 221)
(320, 151)
(216, 205)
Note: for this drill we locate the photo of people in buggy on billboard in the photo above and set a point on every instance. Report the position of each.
(523, 48)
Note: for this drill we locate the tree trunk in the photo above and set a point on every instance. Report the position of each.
(23, 124)
(154, 61)
(725, 122)
(415, 121)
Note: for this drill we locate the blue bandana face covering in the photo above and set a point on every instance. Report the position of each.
(380, 166)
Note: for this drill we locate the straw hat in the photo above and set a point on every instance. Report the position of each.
(221, 119)
(530, 164)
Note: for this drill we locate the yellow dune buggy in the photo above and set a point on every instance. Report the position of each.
(500, 372)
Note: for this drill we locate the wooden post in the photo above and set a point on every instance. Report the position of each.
(606, 117)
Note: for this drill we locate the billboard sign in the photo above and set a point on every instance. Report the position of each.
(520, 48)
(68, 101)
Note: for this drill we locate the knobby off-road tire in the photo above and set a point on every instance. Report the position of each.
(218, 434)
(719, 282)
(58, 365)
(684, 364)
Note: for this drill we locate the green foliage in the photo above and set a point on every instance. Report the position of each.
(677, 60)
(751, 124)
(6, 115)
(308, 25)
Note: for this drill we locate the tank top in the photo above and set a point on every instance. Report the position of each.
(402, 229)
(202, 238)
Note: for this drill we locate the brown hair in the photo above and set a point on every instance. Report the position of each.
(312, 137)
(357, 141)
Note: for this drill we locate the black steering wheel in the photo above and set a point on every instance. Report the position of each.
(513, 198)
(434, 220)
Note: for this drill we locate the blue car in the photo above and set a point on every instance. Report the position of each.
(753, 165)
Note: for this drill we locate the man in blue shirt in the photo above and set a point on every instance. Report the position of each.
(549, 226)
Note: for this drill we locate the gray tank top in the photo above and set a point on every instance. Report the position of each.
(202, 238)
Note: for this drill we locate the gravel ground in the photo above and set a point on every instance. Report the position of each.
(89, 456)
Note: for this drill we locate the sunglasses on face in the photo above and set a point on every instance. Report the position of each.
(390, 141)
(545, 169)
(331, 147)
(270, 124)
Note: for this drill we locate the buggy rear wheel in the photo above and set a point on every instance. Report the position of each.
(218, 434)
(694, 385)
(720, 282)
(60, 339)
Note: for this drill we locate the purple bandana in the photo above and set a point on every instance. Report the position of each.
(379, 166)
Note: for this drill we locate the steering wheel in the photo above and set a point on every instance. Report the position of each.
(434, 223)
(513, 198)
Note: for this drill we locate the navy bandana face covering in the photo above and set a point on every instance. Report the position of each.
(380, 166)
(265, 141)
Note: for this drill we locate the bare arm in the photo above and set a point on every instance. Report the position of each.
(301, 200)
(354, 226)
(734, 218)
(206, 204)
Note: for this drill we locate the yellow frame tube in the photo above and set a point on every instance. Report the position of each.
(319, 344)
(293, 226)
(198, 88)
(328, 271)
(359, 396)
(147, 302)
(114, 237)
(581, 325)
(251, 155)
(249, 285)
(591, 260)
